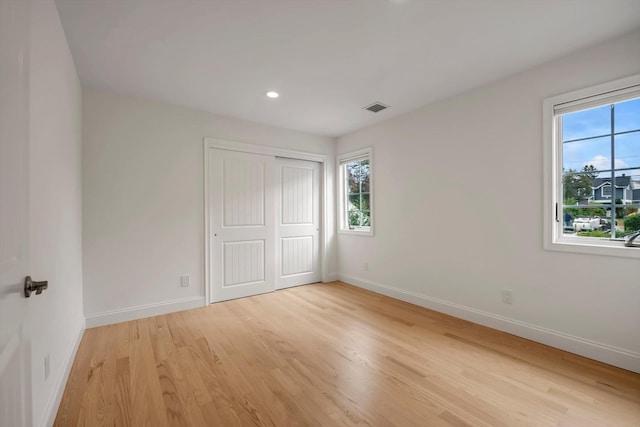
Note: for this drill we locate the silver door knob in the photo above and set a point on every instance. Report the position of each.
(31, 286)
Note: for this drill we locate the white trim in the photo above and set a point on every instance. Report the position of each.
(210, 143)
(341, 161)
(594, 246)
(330, 277)
(324, 224)
(142, 311)
(595, 96)
(357, 232)
(605, 353)
(262, 149)
(360, 154)
(51, 410)
(208, 295)
(553, 236)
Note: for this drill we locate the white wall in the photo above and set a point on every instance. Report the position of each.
(458, 215)
(55, 207)
(143, 215)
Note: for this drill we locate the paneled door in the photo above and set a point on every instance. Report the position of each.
(242, 224)
(298, 218)
(15, 357)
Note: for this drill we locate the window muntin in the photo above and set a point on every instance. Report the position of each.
(356, 192)
(554, 108)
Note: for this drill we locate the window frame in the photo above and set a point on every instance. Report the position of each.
(343, 222)
(554, 238)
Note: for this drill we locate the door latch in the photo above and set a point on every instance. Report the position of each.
(31, 286)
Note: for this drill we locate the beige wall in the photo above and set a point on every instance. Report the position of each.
(458, 215)
(143, 198)
(55, 207)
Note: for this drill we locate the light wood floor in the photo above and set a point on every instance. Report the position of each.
(334, 355)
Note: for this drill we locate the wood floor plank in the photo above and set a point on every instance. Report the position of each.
(122, 415)
(146, 391)
(334, 355)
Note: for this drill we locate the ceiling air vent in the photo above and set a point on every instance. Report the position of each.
(376, 107)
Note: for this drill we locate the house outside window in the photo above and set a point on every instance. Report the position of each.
(356, 192)
(592, 168)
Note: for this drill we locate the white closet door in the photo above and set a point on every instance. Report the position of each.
(242, 224)
(15, 314)
(298, 217)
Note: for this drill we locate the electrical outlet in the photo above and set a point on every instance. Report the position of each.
(185, 281)
(507, 297)
(365, 266)
(47, 367)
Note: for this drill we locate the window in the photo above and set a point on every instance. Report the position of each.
(592, 168)
(356, 196)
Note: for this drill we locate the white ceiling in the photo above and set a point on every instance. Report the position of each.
(327, 58)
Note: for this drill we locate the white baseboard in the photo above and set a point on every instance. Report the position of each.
(142, 311)
(611, 355)
(58, 390)
(330, 277)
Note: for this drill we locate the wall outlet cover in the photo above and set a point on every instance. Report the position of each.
(507, 296)
(185, 281)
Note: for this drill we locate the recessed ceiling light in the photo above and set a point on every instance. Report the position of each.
(273, 94)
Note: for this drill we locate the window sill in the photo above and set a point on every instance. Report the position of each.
(366, 233)
(585, 245)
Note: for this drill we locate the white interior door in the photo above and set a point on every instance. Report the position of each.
(298, 218)
(15, 358)
(242, 224)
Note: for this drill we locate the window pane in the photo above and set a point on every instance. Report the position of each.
(634, 190)
(597, 152)
(364, 202)
(358, 169)
(365, 182)
(586, 123)
(631, 194)
(628, 150)
(354, 185)
(353, 182)
(628, 186)
(586, 189)
(354, 218)
(359, 218)
(627, 115)
(366, 218)
(578, 188)
(354, 202)
(587, 220)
